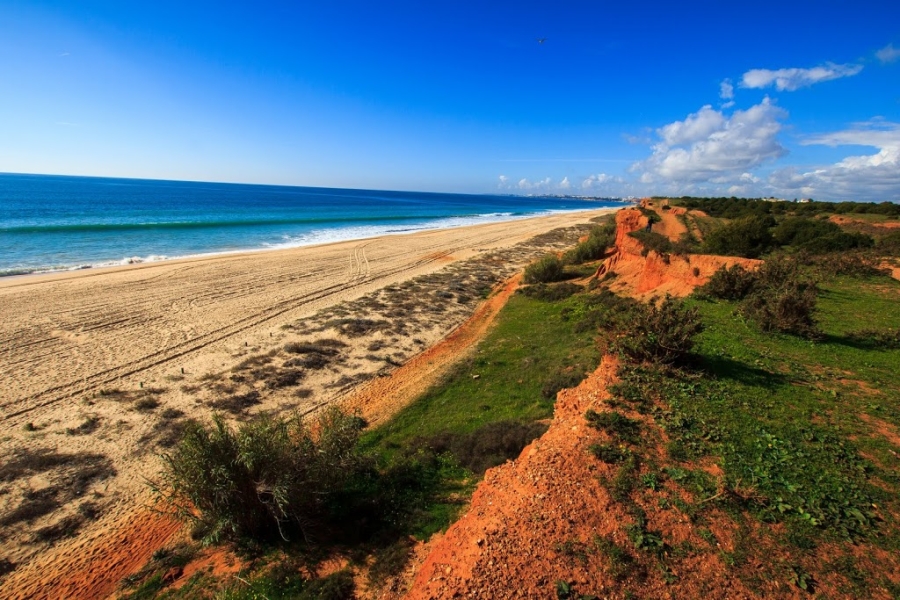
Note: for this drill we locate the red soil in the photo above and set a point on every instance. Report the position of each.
(511, 542)
(843, 220)
(655, 275)
(95, 569)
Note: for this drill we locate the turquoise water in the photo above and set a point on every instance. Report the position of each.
(50, 222)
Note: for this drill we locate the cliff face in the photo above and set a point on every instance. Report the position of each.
(648, 274)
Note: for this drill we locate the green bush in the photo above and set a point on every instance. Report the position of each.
(270, 477)
(653, 241)
(728, 283)
(782, 300)
(748, 237)
(796, 231)
(486, 447)
(661, 333)
(545, 270)
(559, 381)
(886, 339)
(593, 248)
(615, 424)
(889, 244)
(551, 293)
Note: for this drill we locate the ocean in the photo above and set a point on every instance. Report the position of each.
(57, 223)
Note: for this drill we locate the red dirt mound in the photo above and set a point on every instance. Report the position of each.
(535, 521)
(641, 273)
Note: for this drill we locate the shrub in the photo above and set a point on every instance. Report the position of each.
(661, 333)
(486, 447)
(551, 293)
(609, 453)
(653, 241)
(857, 264)
(728, 283)
(615, 424)
(545, 270)
(818, 237)
(889, 244)
(887, 339)
(782, 300)
(560, 381)
(748, 237)
(593, 248)
(267, 478)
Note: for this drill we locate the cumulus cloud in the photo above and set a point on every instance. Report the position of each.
(503, 179)
(710, 146)
(564, 184)
(794, 79)
(873, 177)
(888, 54)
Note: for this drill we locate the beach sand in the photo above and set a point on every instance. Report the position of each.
(99, 369)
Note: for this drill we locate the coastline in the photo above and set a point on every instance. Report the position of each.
(88, 349)
(137, 261)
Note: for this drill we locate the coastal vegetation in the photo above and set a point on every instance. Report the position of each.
(762, 411)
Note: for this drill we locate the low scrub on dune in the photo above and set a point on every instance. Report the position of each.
(748, 237)
(662, 333)
(651, 240)
(594, 247)
(269, 478)
(778, 297)
(545, 270)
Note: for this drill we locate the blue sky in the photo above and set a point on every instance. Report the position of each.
(792, 99)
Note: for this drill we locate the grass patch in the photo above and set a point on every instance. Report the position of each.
(780, 412)
(505, 380)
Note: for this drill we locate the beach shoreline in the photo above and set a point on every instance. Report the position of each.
(100, 368)
(140, 262)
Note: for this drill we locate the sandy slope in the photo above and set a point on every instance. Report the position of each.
(77, 350)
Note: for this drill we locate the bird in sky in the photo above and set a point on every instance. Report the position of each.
(541, 40)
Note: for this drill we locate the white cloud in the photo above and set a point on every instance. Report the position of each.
(888, 54)
(598, 180)
(794, 79)
(873, 177)
(709, 146)
(726, 90)
(564, 184)
(503, 179)
(543, 184)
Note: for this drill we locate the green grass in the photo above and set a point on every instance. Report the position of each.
(784, 413)
(530, 343)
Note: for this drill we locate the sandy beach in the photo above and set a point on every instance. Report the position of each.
(99, 369)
